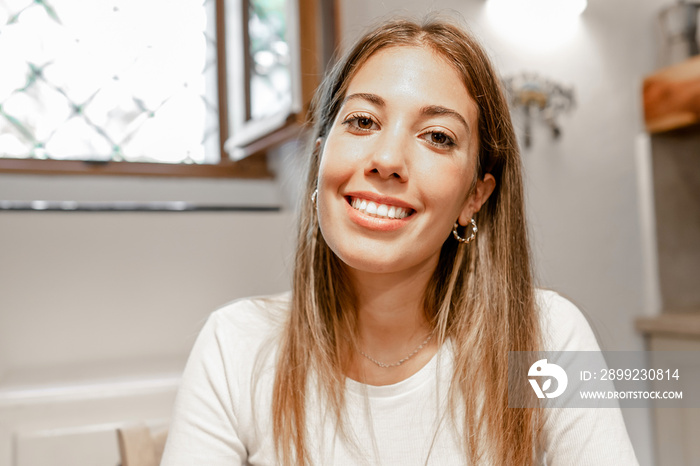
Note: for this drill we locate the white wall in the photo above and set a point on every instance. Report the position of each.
(583, 196)
(86, 287)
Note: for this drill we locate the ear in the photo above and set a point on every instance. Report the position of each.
(318, 143)
(481, 193)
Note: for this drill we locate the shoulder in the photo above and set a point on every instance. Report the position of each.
(236, 339)
(255, 313)
(213, 419)
(564, 326)
(248, 323)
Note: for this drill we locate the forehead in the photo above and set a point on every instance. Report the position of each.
(414, 75)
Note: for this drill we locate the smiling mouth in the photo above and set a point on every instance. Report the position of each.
(378, 210)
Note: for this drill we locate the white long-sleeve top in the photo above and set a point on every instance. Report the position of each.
(222, 415)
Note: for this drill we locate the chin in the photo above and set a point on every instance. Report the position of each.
(362, 260)
(371, 262)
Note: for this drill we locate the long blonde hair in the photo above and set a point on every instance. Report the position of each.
(480, 297)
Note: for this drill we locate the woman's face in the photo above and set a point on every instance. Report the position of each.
(398, 162)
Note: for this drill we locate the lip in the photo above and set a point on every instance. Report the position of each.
(377, 223)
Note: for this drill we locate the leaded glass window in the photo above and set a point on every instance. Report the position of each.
(109, 80)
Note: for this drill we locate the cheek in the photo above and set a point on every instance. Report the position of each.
(337, 162)
(330, 172)
(334, 172)
(446, 185)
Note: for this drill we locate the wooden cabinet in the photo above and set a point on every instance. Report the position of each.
(672, 97)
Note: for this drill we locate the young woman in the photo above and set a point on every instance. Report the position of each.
(412, 283)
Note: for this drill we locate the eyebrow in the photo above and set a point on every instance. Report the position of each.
(372, 98)
(432, 110)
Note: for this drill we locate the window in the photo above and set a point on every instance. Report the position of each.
(265, 91)
(140, 87)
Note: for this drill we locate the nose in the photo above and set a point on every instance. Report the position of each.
(389, 157)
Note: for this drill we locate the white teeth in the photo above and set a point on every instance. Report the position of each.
(379, 210)
(371, 208)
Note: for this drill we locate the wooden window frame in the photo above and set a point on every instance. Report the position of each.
(254, 165)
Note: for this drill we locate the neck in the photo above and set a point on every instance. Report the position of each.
(391, 318)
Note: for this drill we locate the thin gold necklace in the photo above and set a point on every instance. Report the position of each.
(400, 361)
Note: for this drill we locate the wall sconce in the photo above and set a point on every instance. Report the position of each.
(538, 98)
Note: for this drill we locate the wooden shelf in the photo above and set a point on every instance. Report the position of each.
(672, 97)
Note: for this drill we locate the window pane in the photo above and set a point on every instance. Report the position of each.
(270, 74)
(123, 80)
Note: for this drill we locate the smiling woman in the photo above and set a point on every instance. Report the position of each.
(393, 346)
(396, 142)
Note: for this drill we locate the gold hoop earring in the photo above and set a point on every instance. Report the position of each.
(465, 240)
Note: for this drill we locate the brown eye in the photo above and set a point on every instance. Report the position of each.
(438, 138)
(364, 123)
